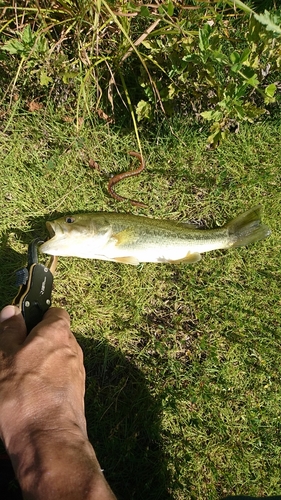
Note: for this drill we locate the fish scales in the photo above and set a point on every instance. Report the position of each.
(132, 239)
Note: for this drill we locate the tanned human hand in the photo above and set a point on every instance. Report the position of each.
(42, 419)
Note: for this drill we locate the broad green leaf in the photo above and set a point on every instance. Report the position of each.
(253, 80)
(42, 45)
(269, 21)
(204, 35)
(217, 134)
(235, 68)
(170, 8)
(208, 115)
(245, 55)
(143, 110)
(166, 8)
(27, 36)
(270, 90)
(147, 44)
(212, 115)
(240, 112)
(252, 112)
(220, 57)
(234, 57)
(45, 79)
(144, 11)
(13, 47)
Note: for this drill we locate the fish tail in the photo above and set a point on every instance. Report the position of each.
(247, 228)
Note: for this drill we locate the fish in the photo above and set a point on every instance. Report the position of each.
(132, 239)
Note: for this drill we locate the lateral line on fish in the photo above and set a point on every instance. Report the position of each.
(131, 238)
(124, 175)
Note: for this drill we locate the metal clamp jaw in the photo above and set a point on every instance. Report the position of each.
(35, 281)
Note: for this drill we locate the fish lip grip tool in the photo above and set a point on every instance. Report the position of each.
(35, 281)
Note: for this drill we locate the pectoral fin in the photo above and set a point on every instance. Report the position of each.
(127, 260)
(124, 237)
(190, 258)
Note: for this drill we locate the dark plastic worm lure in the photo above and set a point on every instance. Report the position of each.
(124, 175)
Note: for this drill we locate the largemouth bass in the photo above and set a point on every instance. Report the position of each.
(132, 239)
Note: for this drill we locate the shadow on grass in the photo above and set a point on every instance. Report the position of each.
(10, 261)
(123, 424)
(123, 419)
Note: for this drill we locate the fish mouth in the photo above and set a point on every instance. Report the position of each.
(45, 248)
(51, 229)
(48, 245)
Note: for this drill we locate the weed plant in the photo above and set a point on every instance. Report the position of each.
(218, 60)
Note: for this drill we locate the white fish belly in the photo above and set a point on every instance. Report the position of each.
(156, 252)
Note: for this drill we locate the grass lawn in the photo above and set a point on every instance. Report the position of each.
(183, 390)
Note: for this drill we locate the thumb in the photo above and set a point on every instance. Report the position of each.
(8, 312)
(12, 326)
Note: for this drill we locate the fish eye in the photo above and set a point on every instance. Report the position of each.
(69, 220)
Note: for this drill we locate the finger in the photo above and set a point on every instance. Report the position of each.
(57, 313)
(12, 327)
(55, 325)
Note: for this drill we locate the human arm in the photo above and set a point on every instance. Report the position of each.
(42, 420)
